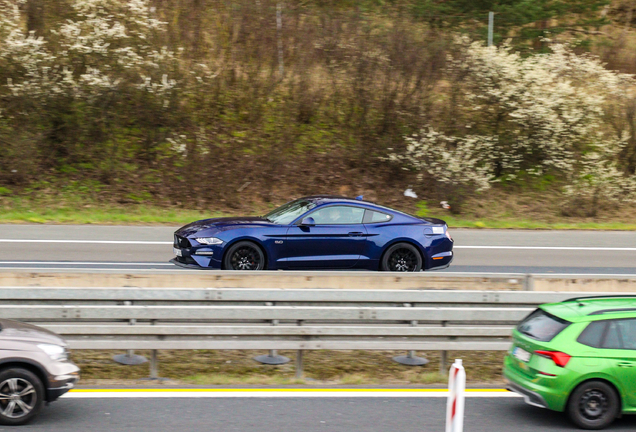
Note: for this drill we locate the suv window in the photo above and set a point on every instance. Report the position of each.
(338, 215)
(593, 334)
(542, 326)
(371, 216)
(610, 334)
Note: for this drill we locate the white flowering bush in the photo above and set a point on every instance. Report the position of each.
(542, 114)
(105, 46)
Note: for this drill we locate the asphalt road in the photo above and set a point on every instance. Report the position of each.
(296, 415)
(149, 248)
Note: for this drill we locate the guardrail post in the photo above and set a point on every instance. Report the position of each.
(411, 359)
(443, 357)
(272, 358)
(299, 359)
(130, 358)
(154, 367)
(528, 283)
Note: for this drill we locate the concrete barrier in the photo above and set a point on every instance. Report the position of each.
(324, 279)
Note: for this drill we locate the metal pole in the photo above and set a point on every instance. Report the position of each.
(299, 364)
(279, 35)
(491, 23)
(154, 369)
(130, 358)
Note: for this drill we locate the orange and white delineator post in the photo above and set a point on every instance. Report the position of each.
(455, 403)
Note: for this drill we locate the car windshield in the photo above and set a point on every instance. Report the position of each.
(289, 212)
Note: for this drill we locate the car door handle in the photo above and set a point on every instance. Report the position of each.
(625, 364)
(356, 234)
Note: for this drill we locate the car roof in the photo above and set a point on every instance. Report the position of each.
(581, 309)
(321, 199)
(329, 199)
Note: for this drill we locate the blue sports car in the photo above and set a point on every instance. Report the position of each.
(317, 232)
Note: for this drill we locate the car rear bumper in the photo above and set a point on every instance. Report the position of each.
(530, 397)
(543, 391)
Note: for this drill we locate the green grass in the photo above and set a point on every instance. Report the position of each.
(106, 215)
(68, 210)
(518, 223)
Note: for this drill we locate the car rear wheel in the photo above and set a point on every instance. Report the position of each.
(593, 405)
(402, 257)
(244, 255)
(21, 396)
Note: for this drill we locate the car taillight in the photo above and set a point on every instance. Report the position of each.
(448, 235)
(559, 358)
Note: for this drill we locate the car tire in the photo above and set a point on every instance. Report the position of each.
(593, 405)
(244, 255)
(402, 257)
(28, 396)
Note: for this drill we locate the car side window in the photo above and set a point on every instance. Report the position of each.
(371, 216)
(627, 332)
(593, 334)
(338, 215)
(613, 338)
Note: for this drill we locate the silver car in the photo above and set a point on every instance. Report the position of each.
(34, 368)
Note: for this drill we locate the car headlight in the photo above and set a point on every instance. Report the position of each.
(56, 352)
(209, 240)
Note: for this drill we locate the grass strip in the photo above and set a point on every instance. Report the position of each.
(208, 367)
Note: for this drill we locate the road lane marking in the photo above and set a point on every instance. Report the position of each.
(280, 393)
(86, 263)
(87, 241)
(620, 249)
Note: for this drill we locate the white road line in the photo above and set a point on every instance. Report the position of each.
(87, 241)
(87, 263)
(98, 269)
(623, 249)
(282, 394)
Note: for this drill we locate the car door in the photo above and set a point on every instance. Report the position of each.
(335, 241)
(619, 348)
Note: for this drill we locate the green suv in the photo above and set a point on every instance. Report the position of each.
(577, 356)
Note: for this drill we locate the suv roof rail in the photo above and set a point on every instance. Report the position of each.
(601, 312)
(601, 297)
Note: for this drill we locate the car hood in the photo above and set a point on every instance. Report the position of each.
(221, 224)
(22, 332)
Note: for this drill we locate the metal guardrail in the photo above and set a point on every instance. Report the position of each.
(271, 319)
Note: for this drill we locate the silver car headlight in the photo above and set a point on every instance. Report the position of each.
(56, 352)
(209, 241)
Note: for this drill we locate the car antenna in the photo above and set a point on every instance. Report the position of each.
(360, 197)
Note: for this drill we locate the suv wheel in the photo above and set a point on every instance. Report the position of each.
(593, 405)
(21, 396)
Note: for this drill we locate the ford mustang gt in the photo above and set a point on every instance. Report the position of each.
(317, 232)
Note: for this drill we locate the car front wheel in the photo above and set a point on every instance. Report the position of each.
(594, 405)
(21, 396)
(244, 255)
(402, 257)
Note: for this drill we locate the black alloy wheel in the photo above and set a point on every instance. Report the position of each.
(402, 257)
(21, 396)
(244, 255)
(593, 405)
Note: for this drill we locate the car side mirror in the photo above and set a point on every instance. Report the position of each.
(308, 221)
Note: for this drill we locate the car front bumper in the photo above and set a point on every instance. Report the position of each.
(61, 380)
